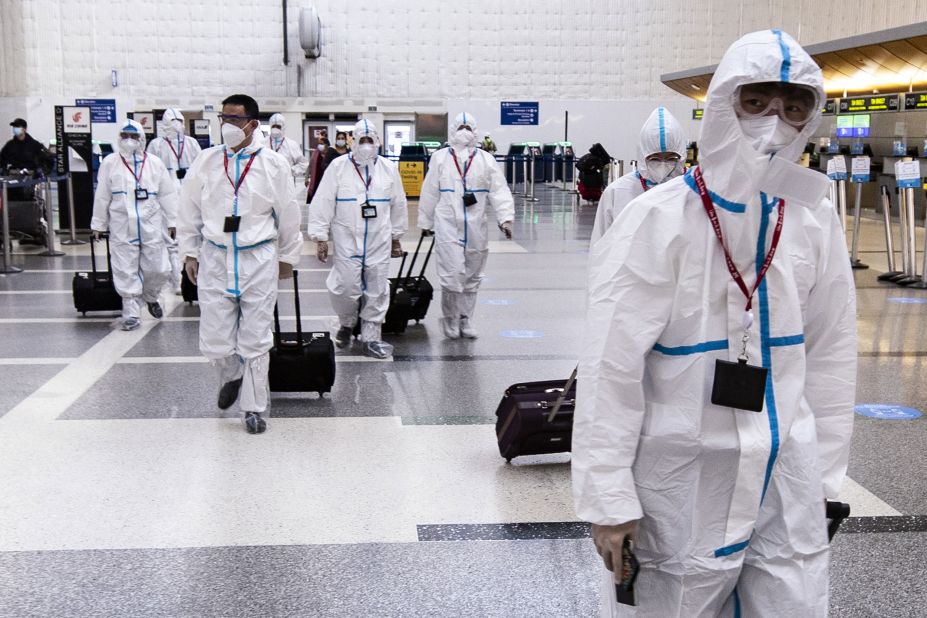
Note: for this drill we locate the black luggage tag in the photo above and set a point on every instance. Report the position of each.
(232, 223)
(181, 173)
(739, 385)
(469, 199)
(624, 590)
(141, 194)
(368, 211)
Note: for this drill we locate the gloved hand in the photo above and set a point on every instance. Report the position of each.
(608, 541)
(97, 233)
(428, 233)
(321, 251)
(172, 231)
(397, 248)
(507, 229)
(192, 267)
(285, 270)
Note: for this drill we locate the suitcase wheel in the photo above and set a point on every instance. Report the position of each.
(508, 460)
(83, 313)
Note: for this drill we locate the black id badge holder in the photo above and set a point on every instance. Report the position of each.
(232, 223)
(739, 385)
(141, 194)
(469, 199)
(368, 211)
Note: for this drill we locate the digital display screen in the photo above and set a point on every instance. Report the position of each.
(876, 103)
(856, 125)
(915, 100)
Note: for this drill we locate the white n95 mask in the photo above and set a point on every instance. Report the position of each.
(17, 131)
(365, 153)
(463, 137)
(661, 171)
(276, 133)
(232, 135)
(129, 145)
(768, 134)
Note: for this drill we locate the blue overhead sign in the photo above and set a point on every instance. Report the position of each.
(520, 112)
(101, 110)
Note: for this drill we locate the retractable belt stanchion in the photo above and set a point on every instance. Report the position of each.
(854, 254)
(889, 238)
(73, 240)
(8, 267)
(50, 250)
(514, 172)
(529, 197)
(842, 199)
(620, 168)
(909, 238)
(563, 172)
(524, 175)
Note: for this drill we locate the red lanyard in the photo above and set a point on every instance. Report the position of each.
(241, 178)
(361, 176)
(141, 171)
(713, 217)
(183, 144)
(279, 145)
(643, 182)
(466, 169)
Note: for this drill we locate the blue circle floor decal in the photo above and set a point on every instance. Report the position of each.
(887, 412)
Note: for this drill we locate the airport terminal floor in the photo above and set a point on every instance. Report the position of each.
(126, 492)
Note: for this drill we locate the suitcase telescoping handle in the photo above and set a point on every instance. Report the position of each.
(562, 396)
(299, 321)
(418, 248)
(395, 288)
(93, 255)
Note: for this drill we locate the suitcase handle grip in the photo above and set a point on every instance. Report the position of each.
(560, 400)
(566, 402)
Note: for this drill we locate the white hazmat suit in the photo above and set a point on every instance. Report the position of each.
(288, 148)
(660, 133)
(178, 152)
(461, 232)
(238, 271)
(730, 502)
(362, 245)
(135, 200)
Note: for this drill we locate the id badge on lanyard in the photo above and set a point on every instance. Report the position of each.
(740, 385)
(140, 193)
(469, 198)
(368, 211)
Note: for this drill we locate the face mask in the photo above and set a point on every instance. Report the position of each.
(365, 153)
(768, 134)
(340, 143)
(321, 147)
(176, 126)
(276, 133)
(661, 171)
(17, 131)
(232, 135)
(463, 137)
(129, 145)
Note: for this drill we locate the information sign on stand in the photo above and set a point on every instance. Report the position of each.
(908, 174)
(101, 110)
(520, 112)
(860, 167)
(837, 168)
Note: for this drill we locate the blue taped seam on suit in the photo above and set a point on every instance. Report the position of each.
(662, 129)
(138, 216)
(446, 190)
(731, 549)
(786, 58)
(378, 199)
(781, 342)
(685, 350)
(765, 345)
(345, 199)
(119, 193)
(736, 603)
(728, 205)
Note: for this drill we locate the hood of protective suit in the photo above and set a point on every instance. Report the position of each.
(732, 168)
(167, 118)
(130, 125)
(277, 119)
(461, 119)
(660, 133)
(365, 128)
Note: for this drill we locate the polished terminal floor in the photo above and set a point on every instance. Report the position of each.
(126, 492)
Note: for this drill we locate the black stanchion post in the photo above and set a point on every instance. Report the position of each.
(854, 254)
(50, 250)
(73, 240)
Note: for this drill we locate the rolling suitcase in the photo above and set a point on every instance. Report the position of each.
(95, 291)
(188, 289)
(536, 418)
(301, 362)
(410, 296)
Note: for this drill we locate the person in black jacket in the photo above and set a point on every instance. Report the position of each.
(23, 151)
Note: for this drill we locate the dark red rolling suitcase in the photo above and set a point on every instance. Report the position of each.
(95, 290)
(536, 418)
(301, 362)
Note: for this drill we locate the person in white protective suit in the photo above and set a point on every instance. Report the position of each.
(135, 201)
(462, 180)
(239, 232)
(725, 506)
(178, 152)
(662, 152)
(360, 205)
(289, 148)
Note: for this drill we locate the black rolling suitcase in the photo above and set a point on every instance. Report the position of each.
(95, 291)
(188, 289)
(410, 296)
(835, 512)
(536, 418)
(301, 362)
